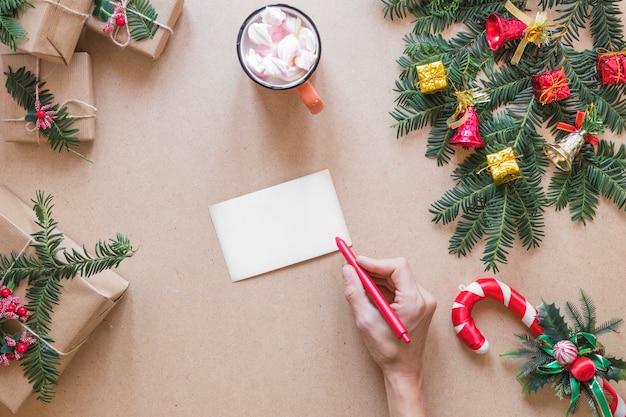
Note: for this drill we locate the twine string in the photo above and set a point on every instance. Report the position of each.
(68, 9)
(41, 339)
(125, 11)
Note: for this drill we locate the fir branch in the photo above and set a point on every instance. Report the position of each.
(585, 317)
(438, 145)
(500, 229)
(22, 85)
(399, 8)
(11, 31)
(10, 28)
(606, 25)
(573, 17)
(468, 231)
(40, 365)
(13, 7)
(473, 192)
(42, 294)
(529, 221)
(583, 196)
(141, 20)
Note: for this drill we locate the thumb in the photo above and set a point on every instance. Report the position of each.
(354, 292)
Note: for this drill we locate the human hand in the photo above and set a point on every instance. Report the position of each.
(401, 363)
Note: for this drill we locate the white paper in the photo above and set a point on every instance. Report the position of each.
(279, 226)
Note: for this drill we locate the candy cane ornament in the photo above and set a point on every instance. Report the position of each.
(463, 322)
(467, 331)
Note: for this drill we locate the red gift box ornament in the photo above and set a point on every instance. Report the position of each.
(550, 86)
(611, 67)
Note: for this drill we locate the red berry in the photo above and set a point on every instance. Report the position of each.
(120, 21)
(21, 311)
(41, 114)
(21, 348)
(10, 356)
(11, 308)
(5, 292)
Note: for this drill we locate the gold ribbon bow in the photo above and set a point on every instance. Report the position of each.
(466, 98)
(536, 32)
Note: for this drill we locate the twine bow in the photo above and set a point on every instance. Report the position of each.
(124, 10)
(536, 31)
(582, 370)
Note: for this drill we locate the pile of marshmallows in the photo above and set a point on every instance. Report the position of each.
(284, 49)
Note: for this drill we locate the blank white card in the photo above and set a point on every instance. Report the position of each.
(279, 226)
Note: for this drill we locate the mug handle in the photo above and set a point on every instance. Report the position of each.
(310, 97)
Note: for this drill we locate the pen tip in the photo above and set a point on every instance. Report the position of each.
(405, 338)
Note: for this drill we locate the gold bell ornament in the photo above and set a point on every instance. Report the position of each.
(563, 152)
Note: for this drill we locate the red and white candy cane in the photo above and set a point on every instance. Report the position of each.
(467, 331)
(463, 322)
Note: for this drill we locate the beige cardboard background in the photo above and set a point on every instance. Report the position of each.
(189, 130)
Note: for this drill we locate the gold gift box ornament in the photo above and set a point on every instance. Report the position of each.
(432, 77)
(503, 166)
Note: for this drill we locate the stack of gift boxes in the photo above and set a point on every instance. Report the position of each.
(50, 30)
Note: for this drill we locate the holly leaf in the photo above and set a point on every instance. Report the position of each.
(617, 371)
(552, 322)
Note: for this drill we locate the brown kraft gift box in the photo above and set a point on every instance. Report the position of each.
(71, 84)
(83, 303)
(53, 28)
(168, 12)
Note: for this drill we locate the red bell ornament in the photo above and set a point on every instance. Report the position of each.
(468, 133)
(499, 30)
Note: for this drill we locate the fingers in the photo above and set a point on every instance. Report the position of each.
(357, 297)
(395, 270)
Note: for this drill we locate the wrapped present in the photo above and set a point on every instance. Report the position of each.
(503, 166)
(83, 304)
(550, 86)
(611, 67)
(72, 86)
(125, 23)
(432, 77)
(53, 28)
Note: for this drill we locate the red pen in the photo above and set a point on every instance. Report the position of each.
(371, 288)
